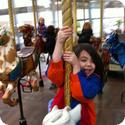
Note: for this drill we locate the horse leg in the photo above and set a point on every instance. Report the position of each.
(7, 95)
(34, 80)
(1, 87)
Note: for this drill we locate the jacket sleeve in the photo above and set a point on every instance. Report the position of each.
(83, 88)
(55, 72)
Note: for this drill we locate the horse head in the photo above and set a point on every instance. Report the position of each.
(64, 116)
(116, 48)
(27, 30)
(113, 39)
(4, 36)
(109, 46)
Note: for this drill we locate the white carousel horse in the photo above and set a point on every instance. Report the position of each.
(14, 66)
(8, 62)
(64, 116)
(1, 122)
(123, 122)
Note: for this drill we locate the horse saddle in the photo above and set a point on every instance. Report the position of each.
(27, 57)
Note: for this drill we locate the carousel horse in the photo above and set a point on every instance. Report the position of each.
(27, 31)
(13, 67)
(64, 116)
(115, 48)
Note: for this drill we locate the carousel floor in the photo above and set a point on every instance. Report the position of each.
(109, 108)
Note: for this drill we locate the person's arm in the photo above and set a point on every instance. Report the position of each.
(55, 71)
(63, 34)
(85, 88)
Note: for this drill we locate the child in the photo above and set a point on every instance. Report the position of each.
(86, 79)
(42, 30)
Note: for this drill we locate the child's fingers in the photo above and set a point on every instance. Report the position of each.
(65, 28)
(68, 52)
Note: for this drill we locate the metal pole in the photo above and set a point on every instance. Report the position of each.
(74, 13)
(58, 12)
(67, 21)
(84, 16)
(101, 17)
(34, 14)
(41, 79)
(22, 120)
(124, 19)
(34, 4)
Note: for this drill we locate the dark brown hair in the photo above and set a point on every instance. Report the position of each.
(94, 55)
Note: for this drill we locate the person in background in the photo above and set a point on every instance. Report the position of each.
(86, 33)
(42, 29)
(50, 41)
(50, 45)
(86, 78)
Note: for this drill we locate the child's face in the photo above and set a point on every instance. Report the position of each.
(86, 63)
(41, 21)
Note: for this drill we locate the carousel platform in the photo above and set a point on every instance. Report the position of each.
(110, 109)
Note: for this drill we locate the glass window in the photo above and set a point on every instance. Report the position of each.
(43, 3)
(3, 4)
(22, 3)
(96, 27)
(113, 12)
(111, 16)
(4, 20)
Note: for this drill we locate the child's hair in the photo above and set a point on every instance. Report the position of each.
(87, 25)
(94, 55)
(41, 18)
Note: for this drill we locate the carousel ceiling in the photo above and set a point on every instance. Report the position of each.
(96, 3)
(56, 4)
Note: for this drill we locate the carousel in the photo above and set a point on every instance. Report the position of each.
(18, 67)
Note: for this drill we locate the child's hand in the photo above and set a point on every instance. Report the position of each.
(64, 34)
(71, 58)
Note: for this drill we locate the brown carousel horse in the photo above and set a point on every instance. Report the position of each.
(27, 31)
(13, 67)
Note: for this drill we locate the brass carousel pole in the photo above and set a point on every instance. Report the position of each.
(84, 10)
(34, 14)
(67, 21)
(124, 19)
(10, 12)
(22, 120)
(34, 4)
(74, 20)
(101, 17)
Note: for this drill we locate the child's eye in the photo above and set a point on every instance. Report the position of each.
(83, 60)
